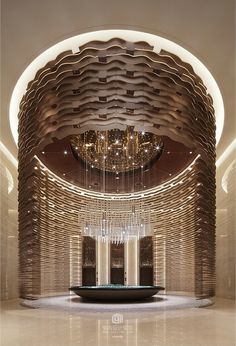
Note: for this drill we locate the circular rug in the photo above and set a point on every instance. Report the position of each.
(73, 303)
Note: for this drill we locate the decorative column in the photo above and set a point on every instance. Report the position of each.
(132, 261)
(103, 262)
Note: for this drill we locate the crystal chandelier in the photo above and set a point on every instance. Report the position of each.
(117, 227)
(115, 150)
(116, 154)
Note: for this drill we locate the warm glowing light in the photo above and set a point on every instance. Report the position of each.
(224, 181)
(226, 153)
(130, 196)
(8, 154)
(65, 152)
(10, 181)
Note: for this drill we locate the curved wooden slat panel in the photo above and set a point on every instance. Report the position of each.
(110, 85)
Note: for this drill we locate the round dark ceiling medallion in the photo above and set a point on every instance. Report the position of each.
(117, 151)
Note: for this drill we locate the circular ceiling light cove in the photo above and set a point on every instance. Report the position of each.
(176, 180)
(158, 44)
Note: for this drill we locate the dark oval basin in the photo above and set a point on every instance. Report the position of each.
(116, 292)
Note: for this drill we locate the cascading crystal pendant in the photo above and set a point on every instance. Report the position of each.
(117, 226)
(116, 152)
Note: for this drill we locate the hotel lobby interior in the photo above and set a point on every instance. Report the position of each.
(118, 163)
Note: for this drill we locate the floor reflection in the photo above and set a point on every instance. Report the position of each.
(201, 327)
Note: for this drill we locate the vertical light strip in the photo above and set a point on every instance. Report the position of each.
(226, 153)
(8, 154)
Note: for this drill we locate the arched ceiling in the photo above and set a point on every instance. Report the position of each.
(115, 101)
(205, 28)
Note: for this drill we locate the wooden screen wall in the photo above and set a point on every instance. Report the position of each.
(154, 92)
(146, 261)
(117, 264)
(89, 261)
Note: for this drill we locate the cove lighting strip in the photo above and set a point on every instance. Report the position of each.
(108, 196)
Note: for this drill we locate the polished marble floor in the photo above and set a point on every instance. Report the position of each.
(214, 325)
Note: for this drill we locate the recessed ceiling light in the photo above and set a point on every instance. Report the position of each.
(190, 152)
(92, 166)
(43, 152)
(65, 152)
(168, 152)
